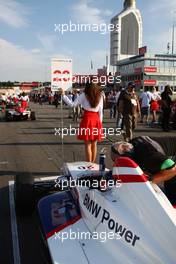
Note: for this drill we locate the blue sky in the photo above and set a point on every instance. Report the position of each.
(28, 39)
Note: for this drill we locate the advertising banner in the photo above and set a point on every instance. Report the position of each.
(150, 69)
(150, 82)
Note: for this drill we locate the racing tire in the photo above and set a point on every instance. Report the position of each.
(25, 117)
(32, 116)
(44, 251)
(24, 193)
(8, 117)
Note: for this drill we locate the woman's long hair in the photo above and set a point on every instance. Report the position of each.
(93, 94)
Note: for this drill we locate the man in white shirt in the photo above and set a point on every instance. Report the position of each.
(112, 100)
(145, 98)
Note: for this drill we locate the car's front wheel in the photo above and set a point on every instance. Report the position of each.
(8, 117)
(24, 193)
(33, 117)
(25, 117)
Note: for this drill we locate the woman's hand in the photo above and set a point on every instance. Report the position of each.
(61, 91)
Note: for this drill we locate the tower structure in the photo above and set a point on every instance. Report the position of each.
(126, 39)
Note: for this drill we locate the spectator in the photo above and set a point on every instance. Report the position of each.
(166, 107)
(129, 107)
(50, 98)
(145, 99)
(154, 106)
(24, 100)
(15, 99)
(40, 99)
(174, 115)
(119, 115)
(56, 99)
(112, 100)
(3, 98)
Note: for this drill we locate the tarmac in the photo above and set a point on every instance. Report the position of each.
(35, 147)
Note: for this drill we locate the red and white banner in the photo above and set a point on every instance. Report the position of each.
(61, 74)
(150, 82)
(150, 69)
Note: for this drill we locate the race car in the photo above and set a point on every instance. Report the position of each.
(17, 113)
(114, 216)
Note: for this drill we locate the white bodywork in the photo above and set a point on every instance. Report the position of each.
(137, 217)
(13, 112)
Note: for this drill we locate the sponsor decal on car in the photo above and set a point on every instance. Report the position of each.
(113, 225)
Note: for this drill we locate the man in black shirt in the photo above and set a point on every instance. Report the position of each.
(166, 107)
(152, 159)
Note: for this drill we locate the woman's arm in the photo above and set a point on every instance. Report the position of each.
(138, 106)
(158, 97)
(77, 101)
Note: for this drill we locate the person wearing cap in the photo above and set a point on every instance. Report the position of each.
(158, 165)
(128, 106)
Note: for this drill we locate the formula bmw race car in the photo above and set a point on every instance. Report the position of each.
(17, 113)
(112, 217)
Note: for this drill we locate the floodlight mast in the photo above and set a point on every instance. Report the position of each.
(173, 31)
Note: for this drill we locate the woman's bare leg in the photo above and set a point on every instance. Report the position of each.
(88, 151)
(154, 116)
(94, 150)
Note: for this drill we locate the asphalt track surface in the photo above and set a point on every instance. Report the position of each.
(32, 147)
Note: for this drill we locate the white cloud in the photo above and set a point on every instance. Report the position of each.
(107, 12)
(13, 13)
(99, 56)
(163, 5)
(20, 64)
(35, 51)
(158, 43)
(60, 56)
(47, 41)
(83, 12)
(83, 66)
(158, 29)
